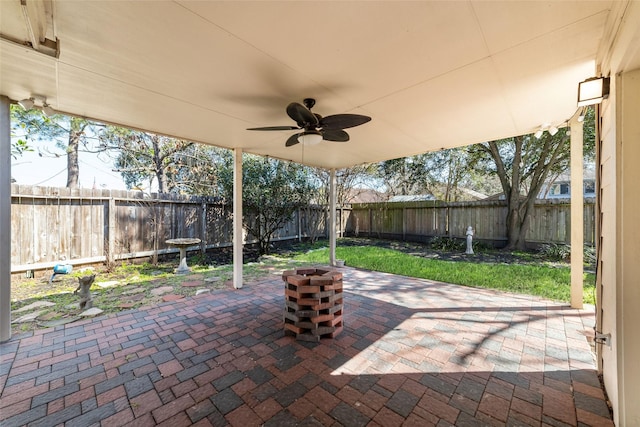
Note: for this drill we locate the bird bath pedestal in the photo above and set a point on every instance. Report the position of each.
(183, 244)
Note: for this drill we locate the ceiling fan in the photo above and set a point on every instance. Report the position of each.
(316, 128)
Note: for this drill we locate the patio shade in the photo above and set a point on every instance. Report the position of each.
(431, 74)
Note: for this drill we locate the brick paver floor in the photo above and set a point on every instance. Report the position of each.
(412, 353)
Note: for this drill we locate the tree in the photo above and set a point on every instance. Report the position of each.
(439, 173)
(272, 192)
(523, 164)
(19, 147)
(520, 164)
(199, 170)
(69, 133)
(404, 176)
(350, 182)
(143, 156)
(177, 166)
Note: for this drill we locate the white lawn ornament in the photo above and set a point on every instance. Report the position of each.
(469, 241)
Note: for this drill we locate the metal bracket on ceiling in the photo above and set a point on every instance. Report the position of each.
(38, 18)
(604, 339)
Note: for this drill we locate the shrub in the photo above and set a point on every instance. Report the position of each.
(562, 252)
(590, 255)
(556, 252)
(448, 244)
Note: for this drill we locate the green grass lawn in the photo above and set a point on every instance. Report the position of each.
(548, 281)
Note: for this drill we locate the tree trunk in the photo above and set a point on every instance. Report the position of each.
(511, 188)
(158, 165)
(73, 168)
(517, 225)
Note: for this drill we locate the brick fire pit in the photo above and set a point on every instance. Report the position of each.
(313, 303)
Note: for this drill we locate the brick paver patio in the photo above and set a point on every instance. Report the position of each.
(412, 352)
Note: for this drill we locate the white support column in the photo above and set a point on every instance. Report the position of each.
(577, 214)
(111, 231)
(332, 217)
(5, 219)
(238, 232)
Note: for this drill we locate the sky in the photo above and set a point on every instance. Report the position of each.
(45, 171)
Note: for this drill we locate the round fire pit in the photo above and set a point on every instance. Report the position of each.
(313, 303)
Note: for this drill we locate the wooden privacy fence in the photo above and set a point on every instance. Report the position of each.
(50, 225)
(419, 221)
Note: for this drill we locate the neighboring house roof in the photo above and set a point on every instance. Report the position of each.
(412, 198)
(365, 195)
(473, 194)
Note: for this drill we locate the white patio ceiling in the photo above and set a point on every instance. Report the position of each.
(430, 74)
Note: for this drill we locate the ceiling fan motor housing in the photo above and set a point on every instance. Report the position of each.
(309, 102)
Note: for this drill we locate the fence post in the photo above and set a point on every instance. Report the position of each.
(327, 227)
(404, 224)
(203, 227)
(111, 232)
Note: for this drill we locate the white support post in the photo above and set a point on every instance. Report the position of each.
(238, 235)
(5, 219)
(332, 217)
(577, 214)
(111, 231)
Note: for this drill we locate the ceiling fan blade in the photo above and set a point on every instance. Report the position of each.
(293, 140)
(275, 128)
(337, 135)
(301, 115)
(343, 121)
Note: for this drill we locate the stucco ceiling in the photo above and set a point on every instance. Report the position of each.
(430, 74)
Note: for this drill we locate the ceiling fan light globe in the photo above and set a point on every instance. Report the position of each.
(310, 138)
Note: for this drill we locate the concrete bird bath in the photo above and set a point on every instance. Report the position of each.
(183, 244)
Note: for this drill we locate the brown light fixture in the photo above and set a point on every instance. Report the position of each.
(593, 91)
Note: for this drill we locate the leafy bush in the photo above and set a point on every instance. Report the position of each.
(562, 252)
(480, 246)
(451, 244)
(448, 244)
(556, 252)
(198, 259)
(590, 255)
